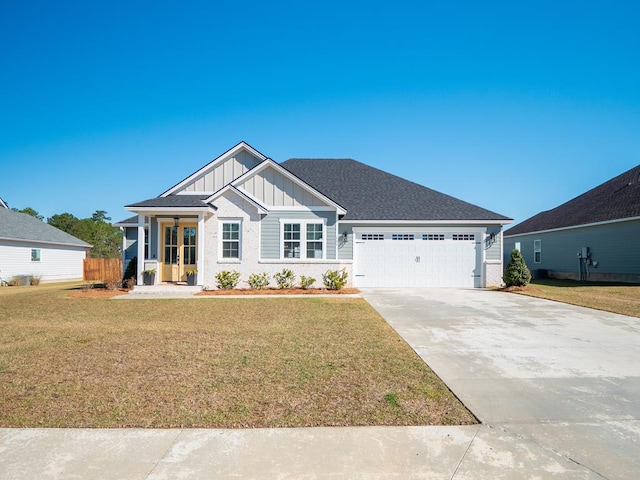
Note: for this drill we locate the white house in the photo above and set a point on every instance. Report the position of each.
(30, 247)
(245, 212)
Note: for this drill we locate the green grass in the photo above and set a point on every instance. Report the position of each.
(226, 363)
(616, 298)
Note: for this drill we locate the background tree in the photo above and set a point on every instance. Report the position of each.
(65, 222)
(30, 211)
(517, 273)
(105, 238)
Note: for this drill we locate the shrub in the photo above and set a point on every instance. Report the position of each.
(517, 274)
(112, 284)
(132, 269)
(335, 279)
(259, 280)
(306, 282)
(285, 278)
(34, 280)
(227, 280)
(129, 283)
(19, 281)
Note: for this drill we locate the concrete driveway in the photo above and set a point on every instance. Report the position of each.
(537, 373)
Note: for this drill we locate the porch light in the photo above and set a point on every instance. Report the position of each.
(176, 222)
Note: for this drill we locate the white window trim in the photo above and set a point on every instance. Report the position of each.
(303, 239)
(537, 248)
(221, 240)
(39, 259)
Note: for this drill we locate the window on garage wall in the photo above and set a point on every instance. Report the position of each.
(402, 236)
(537, 251)
(433, 236)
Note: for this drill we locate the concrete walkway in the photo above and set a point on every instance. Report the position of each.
(556, 387)
(560, 378)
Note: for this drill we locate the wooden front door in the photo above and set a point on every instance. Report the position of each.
(179, 250)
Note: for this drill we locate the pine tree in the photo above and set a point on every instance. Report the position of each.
(517, 274)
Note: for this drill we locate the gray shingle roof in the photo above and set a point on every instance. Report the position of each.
(615, 199)
(186, 201)
(20, 226)
(368, 193)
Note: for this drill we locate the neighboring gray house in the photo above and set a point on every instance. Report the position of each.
(31, 247)
(245, 212)
(592, 237)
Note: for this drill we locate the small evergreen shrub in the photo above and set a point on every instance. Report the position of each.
(259, 280)
(335, 279)
(285, 278)
(227, 280)
(306, 282)
(517, 273)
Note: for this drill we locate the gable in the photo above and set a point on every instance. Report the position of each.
(219, 172)
(277, 189)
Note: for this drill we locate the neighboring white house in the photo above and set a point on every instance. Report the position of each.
(245, 212)
(30, 247)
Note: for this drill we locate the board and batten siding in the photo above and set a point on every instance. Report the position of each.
(274, 189)
(222, 174)
(270, 231)
(56, 262)
(614, 246)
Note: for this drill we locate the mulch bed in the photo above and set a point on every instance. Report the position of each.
(280, 291)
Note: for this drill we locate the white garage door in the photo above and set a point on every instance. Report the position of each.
(417, 260)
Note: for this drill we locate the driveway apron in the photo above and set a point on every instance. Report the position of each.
(564, 378)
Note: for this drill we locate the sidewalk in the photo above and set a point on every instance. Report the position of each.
(451, 453)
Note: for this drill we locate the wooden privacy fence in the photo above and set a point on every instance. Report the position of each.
(105, 269)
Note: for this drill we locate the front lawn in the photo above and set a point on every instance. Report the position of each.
(616, 298)
(226, 363)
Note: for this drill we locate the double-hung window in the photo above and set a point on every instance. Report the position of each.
(314, 240)
(303, 240)
(537, 251)
(230, 240)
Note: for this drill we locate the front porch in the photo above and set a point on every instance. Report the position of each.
(170, 249)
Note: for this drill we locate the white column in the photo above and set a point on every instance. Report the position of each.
(200, 261)
(140, 249)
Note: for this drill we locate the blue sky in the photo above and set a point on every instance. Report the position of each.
(516, 107)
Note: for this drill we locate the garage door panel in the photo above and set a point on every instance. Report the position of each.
(417, 263)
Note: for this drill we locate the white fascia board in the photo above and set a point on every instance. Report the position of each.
(426, 222)
(574, 227)
(224, 156)
(280, 169)
(151, 211)
(262, 208)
